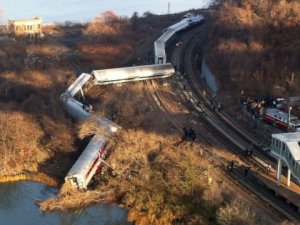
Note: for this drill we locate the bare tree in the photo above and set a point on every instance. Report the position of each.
(134, 20)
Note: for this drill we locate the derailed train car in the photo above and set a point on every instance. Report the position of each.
(88, 163)
(134, 73)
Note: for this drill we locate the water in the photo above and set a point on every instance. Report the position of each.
(83, 11)
(17, 207)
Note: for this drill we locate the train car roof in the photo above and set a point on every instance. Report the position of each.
(88, 155)
(131, 69)
(180, 25)
(277, 112)
(292, 140)
(170, 31)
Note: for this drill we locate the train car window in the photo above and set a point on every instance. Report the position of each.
(74, 179)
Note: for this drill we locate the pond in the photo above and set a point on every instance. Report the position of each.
(17, 207)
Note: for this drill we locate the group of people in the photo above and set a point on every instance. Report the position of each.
(188, 134)
(230, 168)
(216, 106)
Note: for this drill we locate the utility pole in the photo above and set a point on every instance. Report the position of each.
(292, 78)
(169, 7)
(289, 118)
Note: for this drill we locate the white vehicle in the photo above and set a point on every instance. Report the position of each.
(134, 73)
(88, 163)
(161, 43)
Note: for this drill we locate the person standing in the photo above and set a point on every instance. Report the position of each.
(246, 171)
(230, 167)
(192, 135)
(185, 134)
(269, 167)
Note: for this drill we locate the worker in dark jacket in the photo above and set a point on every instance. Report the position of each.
(185, 134)
(191, 134)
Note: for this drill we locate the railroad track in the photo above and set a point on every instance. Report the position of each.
(187, 89)
(187, 92)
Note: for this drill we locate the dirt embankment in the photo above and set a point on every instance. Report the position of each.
(158, 180)
(254, 46)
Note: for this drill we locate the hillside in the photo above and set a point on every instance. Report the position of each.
(254, 46)
(158, 181)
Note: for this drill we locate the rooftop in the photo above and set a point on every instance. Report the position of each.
(292, 140)
(27, 20)
(288, 137)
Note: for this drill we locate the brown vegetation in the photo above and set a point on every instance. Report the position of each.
(157, 180)
(31, 118)
(162, 183)
(254, 46)
(239, 212)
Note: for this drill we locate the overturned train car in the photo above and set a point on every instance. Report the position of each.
(88, 163)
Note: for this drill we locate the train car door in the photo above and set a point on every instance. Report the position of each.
(160, 60)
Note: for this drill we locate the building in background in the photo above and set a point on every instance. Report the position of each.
(28, 27)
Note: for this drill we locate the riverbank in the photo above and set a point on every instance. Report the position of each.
(42, 178)
(17, 207)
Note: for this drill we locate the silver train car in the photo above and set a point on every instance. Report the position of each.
(161, 43)
(88, 163)
(80, 112)
(78, 84)
(74, 108)
(134, 73)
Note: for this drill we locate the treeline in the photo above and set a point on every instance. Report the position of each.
(254, 46)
